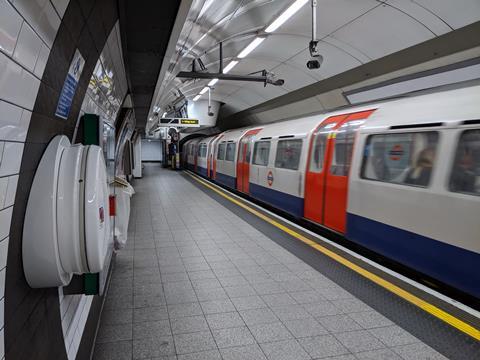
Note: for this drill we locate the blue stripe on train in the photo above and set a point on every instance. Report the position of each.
(227, 180)
(447, 263)
(286, 202)
(201, 170)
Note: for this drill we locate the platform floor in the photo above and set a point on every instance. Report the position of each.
(196, 281)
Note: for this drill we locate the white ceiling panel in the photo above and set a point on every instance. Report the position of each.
(456, 13)
(383, 31)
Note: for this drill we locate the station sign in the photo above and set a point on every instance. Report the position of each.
(180, 122)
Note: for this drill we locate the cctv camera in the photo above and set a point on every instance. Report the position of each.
(210, 113)
(315, 63)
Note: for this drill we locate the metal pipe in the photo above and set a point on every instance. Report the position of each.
(221, 57)
(314, 20)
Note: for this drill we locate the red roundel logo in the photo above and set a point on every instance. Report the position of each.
(270, 178)
(396, 152)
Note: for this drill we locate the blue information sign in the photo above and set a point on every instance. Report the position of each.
(70, 86)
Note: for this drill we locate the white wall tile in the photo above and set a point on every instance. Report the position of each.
(2, 315)
(17, 85)
(10, 24)
(5, 218)
(3, 191)
(13, 124)
(2, 344)
(61, 6)
(41, 16)
(3, 254)
(28, 47)
(11, 190)
(41, 60)
(11, 159)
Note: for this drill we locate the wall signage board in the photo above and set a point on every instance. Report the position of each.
(181, 122)
(70, 85)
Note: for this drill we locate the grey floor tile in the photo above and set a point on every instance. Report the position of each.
(189, 324)
(338, 323)
(150, 314)
(112, 333)
(352, 305)
(417, 351)
(359, 340)
(153, 347)
(393, 336)
(322, 308)
(248, 302)
(172, 277)
(381, 354)
(240, 291)
(151, 329)
(323, 346)
(206, 284)
(258, 316)
(117, 317)
(194, 342)
(270, 332)
(248, 352)
(291, 312)
(201, 274)
(141, 301)
(203, 355)
(224, 320)
(370, 319)
(232, 280)
(187, 309)
(231, 337)
(267, 288)
(305, 328)
(284, 350)
(211, 294)
(121, 350)
(306, 297)
(217, 306)
(278, 299)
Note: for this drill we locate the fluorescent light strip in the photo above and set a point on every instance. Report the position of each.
(230, 66)
(287, 14)
(250, 47)
(213, 82)
(197, 97)
(204, 90)
(205, 7)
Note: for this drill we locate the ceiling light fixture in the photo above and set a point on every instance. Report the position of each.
(230, 66)
(287, 14)
(213, 82)
(165, 113)
(204, 90)
(197, 97)
(250, 47)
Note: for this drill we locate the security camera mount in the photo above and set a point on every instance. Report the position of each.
(316, 58)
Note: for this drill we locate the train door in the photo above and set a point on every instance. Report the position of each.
(213, 157)
(243, 160)
(195, 156)
(326, 185)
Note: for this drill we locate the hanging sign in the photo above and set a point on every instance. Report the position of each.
(70, 86)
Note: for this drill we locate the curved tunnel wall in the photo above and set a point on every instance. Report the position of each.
(33, 328)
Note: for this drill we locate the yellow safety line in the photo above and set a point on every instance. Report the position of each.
(415, 300)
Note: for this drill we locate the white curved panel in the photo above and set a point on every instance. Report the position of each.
(294, 77)
(456, 13)
(383, 31)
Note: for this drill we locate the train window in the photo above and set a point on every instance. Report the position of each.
(221, 151)
(261, 150)
(288, 154)
(400, 158)
(342, 153)
(230, 155)
(465, 176)
(202, 151)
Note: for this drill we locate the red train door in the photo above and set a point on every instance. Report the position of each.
(243, 160)
(326, 187)
(214, 156)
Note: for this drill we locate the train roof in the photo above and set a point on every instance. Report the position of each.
(296, 127)
(448, 108)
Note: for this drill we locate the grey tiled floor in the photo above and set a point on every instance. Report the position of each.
(198, 282)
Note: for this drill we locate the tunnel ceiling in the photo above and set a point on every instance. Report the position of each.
(351, 33)
(146, 26)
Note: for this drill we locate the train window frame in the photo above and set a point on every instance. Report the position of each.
(454, 165)
(366, 158)
(220, 153)
(350, 129)
(277, 160)
(324, 132)
(255, 148)
(232, 152)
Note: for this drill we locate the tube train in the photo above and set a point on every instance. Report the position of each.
(400, 177)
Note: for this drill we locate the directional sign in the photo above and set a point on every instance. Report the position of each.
(180, 122)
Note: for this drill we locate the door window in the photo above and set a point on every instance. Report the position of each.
(221, 151)
(342, 153)
(230, 154)
(319, 148)
(465, 176)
